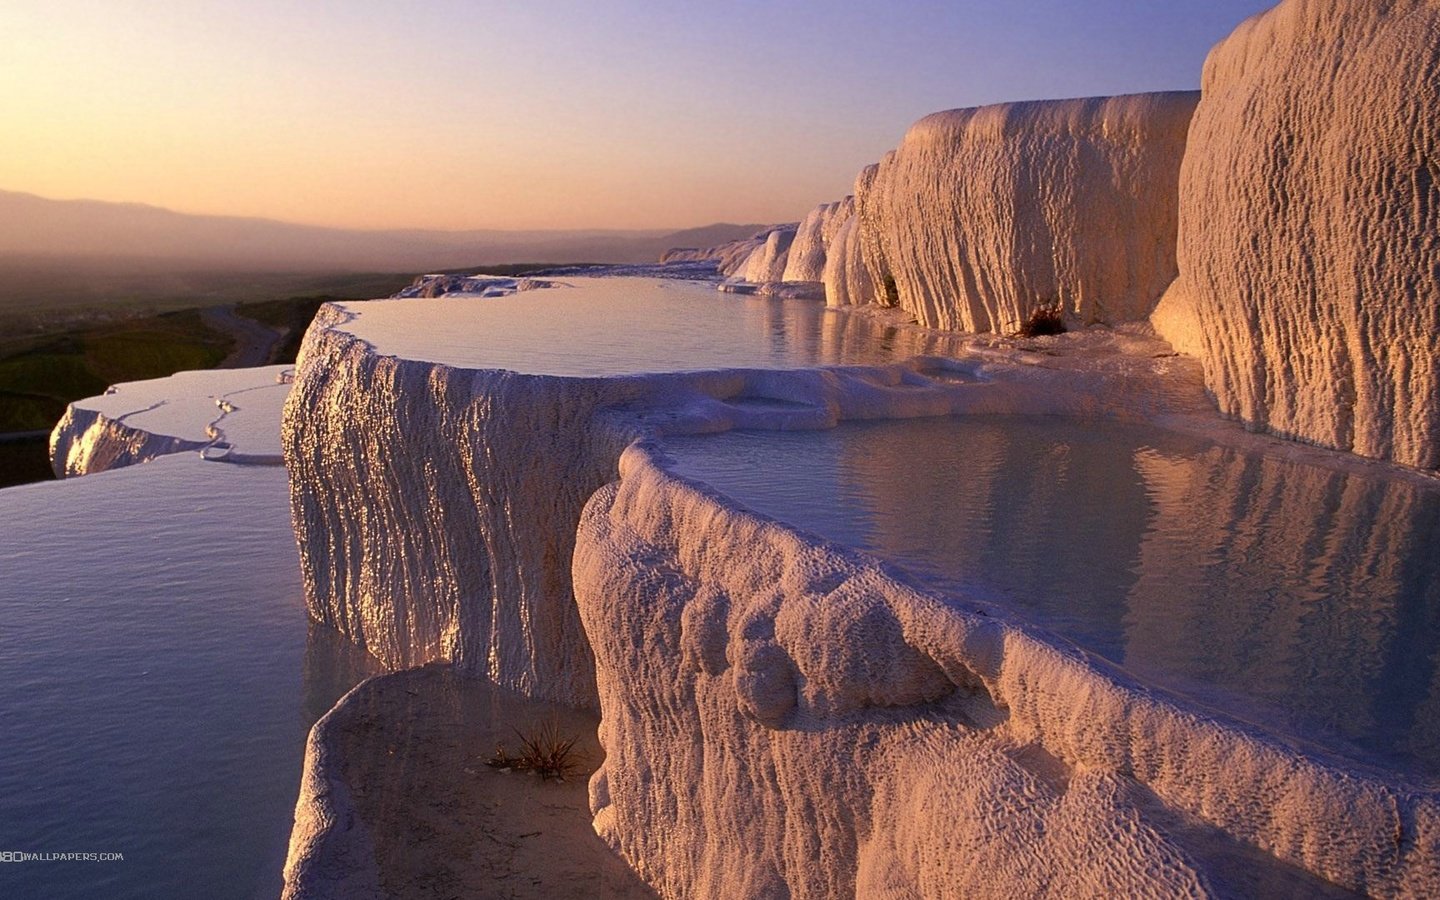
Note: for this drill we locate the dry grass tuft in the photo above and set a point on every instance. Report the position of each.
(544, 751)
(1045, 320)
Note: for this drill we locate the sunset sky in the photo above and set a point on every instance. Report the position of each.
(538, 114)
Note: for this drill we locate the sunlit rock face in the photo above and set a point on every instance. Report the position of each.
(981, 216)
(811, 248)
(856, 273)
(767, 262)
(421, 493)
(846, 280)
(732, 257)
(435, 505)
(782, 717)
(1309, 243)
(226, 414)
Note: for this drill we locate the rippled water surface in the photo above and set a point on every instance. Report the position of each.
(157, 681)
(1303, 599)
(615, 326)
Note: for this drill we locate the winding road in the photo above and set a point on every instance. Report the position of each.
(253, 342)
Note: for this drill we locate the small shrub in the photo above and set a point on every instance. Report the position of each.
(544, 751)
(1045, 320)
(891, 292)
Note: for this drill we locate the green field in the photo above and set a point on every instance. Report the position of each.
(39, 376)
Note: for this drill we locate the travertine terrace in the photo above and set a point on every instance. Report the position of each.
(785, 717)
(982, 216)
(224, 414)
(1309, 243)
(765, 697)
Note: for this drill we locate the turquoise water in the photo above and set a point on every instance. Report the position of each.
(1302, 599)
(158, 678)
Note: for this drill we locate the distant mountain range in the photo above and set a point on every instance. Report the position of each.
(34, 227)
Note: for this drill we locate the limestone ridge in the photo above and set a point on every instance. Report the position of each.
(1309, 233)
(982, 216)
(1296, 197)
(845, 734)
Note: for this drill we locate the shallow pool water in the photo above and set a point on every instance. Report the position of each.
(616, 326)
(1304, 599)
(158, 677)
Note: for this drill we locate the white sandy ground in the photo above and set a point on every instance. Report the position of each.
(224, 414)
(402, 759)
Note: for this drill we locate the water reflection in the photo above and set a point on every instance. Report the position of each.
(1302, 598)
(611, 326)
(1317, 588)
(156, 679)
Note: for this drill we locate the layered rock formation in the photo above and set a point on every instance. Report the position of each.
(982, 216)
(732, 257)
(767, 261)
(226, 414)
(813, 240)
(1309, 241)
(845, 279)
(435, 505)
(767, 699)
(830, 731)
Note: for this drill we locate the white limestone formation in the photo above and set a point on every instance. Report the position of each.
(811, 248)
(332, 852)
(731, 257)
(767, 261)
(770, 700)
(430, 526)
(1309, 212)
(469, 285)
(224, 414)
(846, 279)
(982, 216)
(783, 717)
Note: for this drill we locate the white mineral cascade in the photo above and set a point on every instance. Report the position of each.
(785, 717)
(224, 414)
(1309, 243)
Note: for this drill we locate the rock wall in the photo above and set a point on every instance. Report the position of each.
(769, 700)
(846, 280)
(781, 717)
(86, 441)
(809, 252)
(767, 262)
(435, 507)
(981, 216)
(731, 258)
(421, 493)
(1309, 231)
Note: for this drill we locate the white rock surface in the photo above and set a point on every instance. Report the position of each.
(767, 261)
(984, 215)
(332, 852)
(396, 798)
(225, 414)
(845, 277)
(1309, 237)
(811, 248)
(769, 701)
(730, 257)
(469, 285)
(435, 506)
(781, 717)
